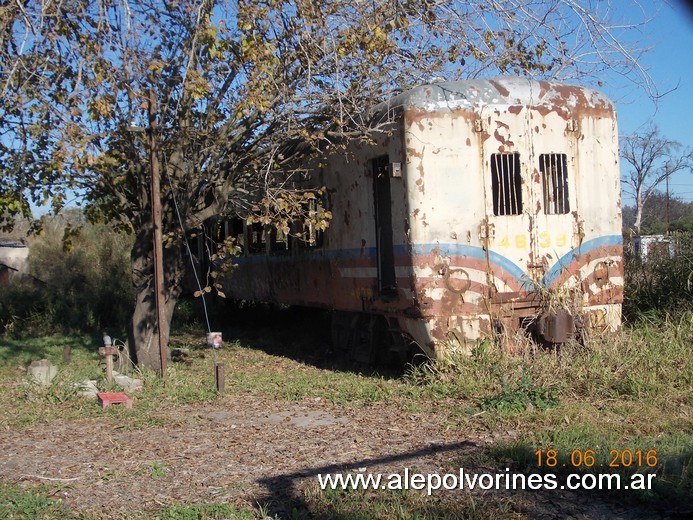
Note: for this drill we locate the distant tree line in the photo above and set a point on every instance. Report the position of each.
(659, 217)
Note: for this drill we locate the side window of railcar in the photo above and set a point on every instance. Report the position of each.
(216, 234)
(217, 230)
(280, 241)
(256, 237)
(506, 183)
(554, 178)
(260, 236)
(310, 235)
(235, 227)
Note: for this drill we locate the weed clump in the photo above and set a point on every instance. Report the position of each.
(659, 285)
(522, 395)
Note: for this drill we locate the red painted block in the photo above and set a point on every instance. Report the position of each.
(109, 398)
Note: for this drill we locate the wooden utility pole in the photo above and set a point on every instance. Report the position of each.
(159, 292)
(667, 207)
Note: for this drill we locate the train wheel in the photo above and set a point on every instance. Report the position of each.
(370, 340)
(392, 349)
(352, 336)
(362, 350)
(341, 331)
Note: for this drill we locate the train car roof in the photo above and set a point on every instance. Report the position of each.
(473, 94)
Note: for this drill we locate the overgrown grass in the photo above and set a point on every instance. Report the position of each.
(37, 503)
(61, 399)
(204, 512)
(16, 502)
(631, 391)
(403, 505)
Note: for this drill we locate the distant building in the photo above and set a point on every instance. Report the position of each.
(650, 247)
(14, 261)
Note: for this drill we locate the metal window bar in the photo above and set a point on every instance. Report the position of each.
(554, 173)
(515, 183)
(506, 183)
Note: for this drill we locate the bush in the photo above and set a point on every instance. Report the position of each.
(82, 282)
(660, 285)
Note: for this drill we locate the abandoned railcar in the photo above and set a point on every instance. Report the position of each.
(485, 205)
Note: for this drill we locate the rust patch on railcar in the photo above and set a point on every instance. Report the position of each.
(417, 116)
(576, 97)
(414, 153)
(500, 88)
(500, 137)
(414, 117)
(601, 274)
(519, 299)
(537, 180)
(609, 296)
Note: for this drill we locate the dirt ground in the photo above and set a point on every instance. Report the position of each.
(248, 449)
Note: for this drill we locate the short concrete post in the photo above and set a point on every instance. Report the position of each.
(42, 372)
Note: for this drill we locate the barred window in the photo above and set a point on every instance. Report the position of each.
(506, 183)
(554, 176)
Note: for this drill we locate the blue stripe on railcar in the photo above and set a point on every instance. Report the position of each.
(475, 252)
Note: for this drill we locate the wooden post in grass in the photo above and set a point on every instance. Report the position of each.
(219, 377)
(108, 351)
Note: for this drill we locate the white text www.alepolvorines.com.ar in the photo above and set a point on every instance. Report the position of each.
(484, 481)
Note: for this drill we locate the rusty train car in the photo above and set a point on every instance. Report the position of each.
(483, 205)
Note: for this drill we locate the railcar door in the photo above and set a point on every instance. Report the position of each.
(527, 155)
(387, 281)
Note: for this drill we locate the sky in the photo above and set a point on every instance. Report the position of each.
(670, 63)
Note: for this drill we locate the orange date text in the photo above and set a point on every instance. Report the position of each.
(551, 458)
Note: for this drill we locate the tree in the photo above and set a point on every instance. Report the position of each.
(652, 159)
(240, 89)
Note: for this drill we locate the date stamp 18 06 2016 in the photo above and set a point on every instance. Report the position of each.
(551, 458)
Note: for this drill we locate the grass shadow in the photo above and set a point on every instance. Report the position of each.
(301, 334)
(24, 351)
(291, 495)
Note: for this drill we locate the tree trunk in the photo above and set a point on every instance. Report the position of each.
(638, 211)
(143, 336)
